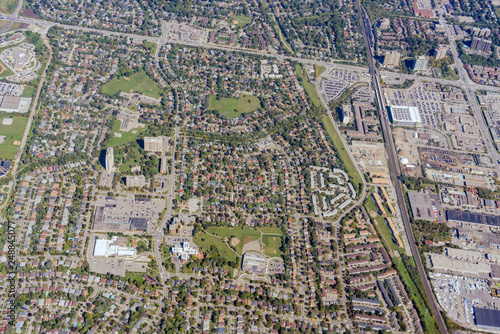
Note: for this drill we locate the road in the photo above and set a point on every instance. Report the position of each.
(395, 172)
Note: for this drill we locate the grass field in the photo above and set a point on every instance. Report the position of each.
(126, 136)
(242, 20)
(8, 6)
(204, 241)
(28, 91)
(309, 87)
(12, 132)
(139, 83)
(270, 230)
(386, 233)
(245, 235)
(416, 296)
(321, 69)
(7, 72)
(232, 107)
(272, 244)
(344, 156)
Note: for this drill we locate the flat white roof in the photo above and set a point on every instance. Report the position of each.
(101, 245)
(405, 114)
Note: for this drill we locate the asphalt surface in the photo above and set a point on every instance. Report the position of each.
(395, 172)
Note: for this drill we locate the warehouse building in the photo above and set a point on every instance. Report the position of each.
(487, 318)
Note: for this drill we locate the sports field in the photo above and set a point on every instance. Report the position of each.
(13, 132)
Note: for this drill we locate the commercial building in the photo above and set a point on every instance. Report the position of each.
(184, 251)
(487, 318)
(480, 44)
(110, 160)
(406, 116)
(420, 63)
(114, 247)
(156, 144)
(346, 113)
(391, 58)
(135, 181)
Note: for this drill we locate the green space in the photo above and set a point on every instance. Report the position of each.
(242, 20)
(234, 107)
(139, 82)
(386, 233)
(272, 244)
(126, 136)
(135, 277)
(277, 29)
(321, 69)
(270, 229)
(205, 241)
(370, 203)
(8, 6)
(7, 72)
(497, 11)
(245, 235)
(430, 322)
(28, 91)
(12, 132)
(309, 87)
(343, 155)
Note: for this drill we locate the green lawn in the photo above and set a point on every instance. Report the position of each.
(204, 241)
(12, 132)
(7, 71)
(232, 107)
(497, 11)
(8, 6)
(136, 276)
(272, 244)
(242, 20)
(270, 230)
(416, 296)
(386, 233)
(28, 91)
(245, 235)
(126, 136)
(370, 203)
(321, 69)
(309, 87)
(139, 83)
(344, 156)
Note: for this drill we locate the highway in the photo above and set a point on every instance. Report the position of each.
(394, 169)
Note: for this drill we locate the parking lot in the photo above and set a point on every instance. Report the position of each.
(458, 295)
(11, 89)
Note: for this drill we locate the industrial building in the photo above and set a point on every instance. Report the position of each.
(424, 205)
(406, 116)
(110, 160)
(420, 63)
(472, 218)
(114, 247)
(487, 318)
